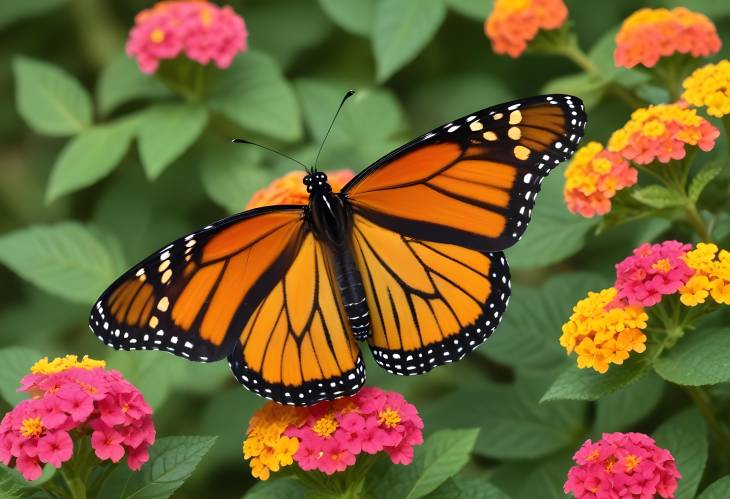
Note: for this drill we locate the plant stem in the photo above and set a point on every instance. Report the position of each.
(695, 220)
(701, 400)
(75, 485)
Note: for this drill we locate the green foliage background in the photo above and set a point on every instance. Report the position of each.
(100, 166)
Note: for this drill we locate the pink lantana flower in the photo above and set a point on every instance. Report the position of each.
(627, 465)
(652, 271)
(201, 31)
(81, 396)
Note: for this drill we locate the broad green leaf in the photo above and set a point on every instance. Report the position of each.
(121, 81)
(231, 173)
(521, 479)
(701, 357)
(467, 488)
(554, 233)
(528, 337)
(67, 259)
(704, 177)
(629, 405)
(278, 488)
(89, 157)
(685, 436)
(442, 456)
(254, 94)
(719, 489)
(602, 56)
(50, 100)
(16, 363)
(591, 88)
(355, 16)
(657, 196)
(172, 461)
(477, 10)
(14, 486)
(167, 131)
(153, 373)
(586, 384)
(513, 424)
(10, 12)
(401, 29)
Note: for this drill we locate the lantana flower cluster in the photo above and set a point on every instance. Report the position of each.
(290, 189)
(607, 326)
(626, 465)
(514, 23)
(72, 398)
(593, 178)
(201, 31)
(647, 35)
(709, 86)
(662, 133)
(329, 436)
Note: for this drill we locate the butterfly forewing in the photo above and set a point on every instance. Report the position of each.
(473, 181)
(192, 297)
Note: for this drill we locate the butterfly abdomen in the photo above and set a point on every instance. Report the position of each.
(353, 293)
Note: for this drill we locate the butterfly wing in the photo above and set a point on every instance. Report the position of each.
(297, 347)
(474, 181)
(430, 303)
(192, 298)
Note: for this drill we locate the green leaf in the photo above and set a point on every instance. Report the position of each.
(442, 456)
(167, 131)
(520, 479)
(231, 173)
(529, 333)
(254, 94)
(704, 177)
(172, 461)
(586, 384)
(623, 408)
(478, 10)
(554, 233)
(685, 436)
(513, 425)
(719, 489)
(89, 157)
(230, 425)
(153, 373)
(467, 488)
(11, 12)
(355, 16)
(16, 362)
(50, 100)
(701, 357)
(657, 196)
(67, 259)
(278, 488)
(122, 81)
(401, 29)
(14, 486)
(602, 56)
(591, 88)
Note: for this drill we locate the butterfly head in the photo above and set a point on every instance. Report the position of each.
(316, 181)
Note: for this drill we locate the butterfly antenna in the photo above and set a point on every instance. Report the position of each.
(244, 141)
(349, 94)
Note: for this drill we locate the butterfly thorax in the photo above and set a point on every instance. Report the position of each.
(330, 219)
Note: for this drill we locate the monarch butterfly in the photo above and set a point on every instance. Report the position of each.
(408, 257)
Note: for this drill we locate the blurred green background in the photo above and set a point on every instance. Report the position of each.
(69, 236)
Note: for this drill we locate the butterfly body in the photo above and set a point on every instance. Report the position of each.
(331, 221)
(407, 258)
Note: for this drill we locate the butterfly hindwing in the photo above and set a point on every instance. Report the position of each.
(430, 303)
(297, 347)
(192, 297)
(473, 181)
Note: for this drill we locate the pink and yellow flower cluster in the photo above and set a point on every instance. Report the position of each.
(199, 30)
(329, 436)
(72, 397)
(514, 23)
(608, 325)
(626, 465)
(593, 178)
(647, 35)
